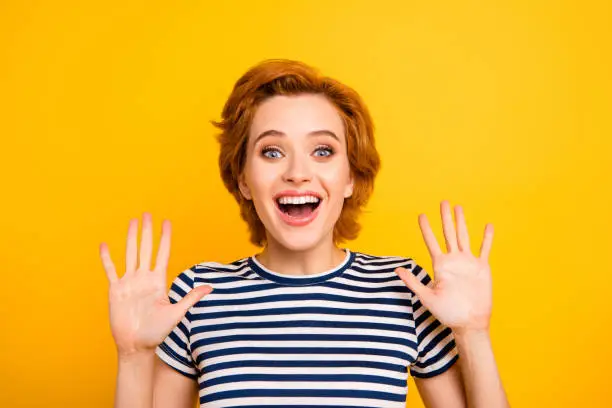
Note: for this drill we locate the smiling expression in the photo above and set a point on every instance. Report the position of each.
(297, 171)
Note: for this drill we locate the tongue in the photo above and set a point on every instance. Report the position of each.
(299, 210)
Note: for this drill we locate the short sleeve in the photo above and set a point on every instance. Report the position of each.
(437, 351)
(175, 350)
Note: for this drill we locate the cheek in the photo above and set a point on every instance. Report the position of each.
(260, 179)
(337, 180)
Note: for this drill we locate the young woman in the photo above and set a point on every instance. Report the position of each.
(304, 322)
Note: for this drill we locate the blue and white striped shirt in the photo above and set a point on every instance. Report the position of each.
(347, 337)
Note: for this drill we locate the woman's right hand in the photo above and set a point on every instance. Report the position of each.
(141, 315)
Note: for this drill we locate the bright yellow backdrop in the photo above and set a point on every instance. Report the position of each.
(503, 107)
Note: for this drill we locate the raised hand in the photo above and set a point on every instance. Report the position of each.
(461, 293)
(141, 315)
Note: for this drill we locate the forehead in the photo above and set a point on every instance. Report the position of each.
(297, 115)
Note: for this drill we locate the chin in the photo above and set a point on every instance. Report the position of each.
(297, 241)
(304, 237)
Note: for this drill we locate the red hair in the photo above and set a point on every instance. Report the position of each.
(286, 77)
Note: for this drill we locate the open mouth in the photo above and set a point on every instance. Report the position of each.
(298, 207)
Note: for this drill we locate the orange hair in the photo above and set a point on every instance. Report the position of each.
(286, 77)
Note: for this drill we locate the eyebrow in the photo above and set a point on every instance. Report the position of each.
(273, 132)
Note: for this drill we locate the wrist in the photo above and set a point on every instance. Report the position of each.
(466, 337)
(135, 356)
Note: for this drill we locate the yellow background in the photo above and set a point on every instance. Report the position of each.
(501, 106)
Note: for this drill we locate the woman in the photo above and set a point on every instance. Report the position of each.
(304, 322)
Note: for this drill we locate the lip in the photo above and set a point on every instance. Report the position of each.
(296, 193)
(293, 221)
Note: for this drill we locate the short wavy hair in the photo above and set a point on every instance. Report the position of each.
(287, 77)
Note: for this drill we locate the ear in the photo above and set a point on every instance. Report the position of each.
(348, 191)
(244, 189)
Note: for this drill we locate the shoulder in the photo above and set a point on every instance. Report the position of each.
(385, 264)
(372, 262)
(203, 268)
(210, 272)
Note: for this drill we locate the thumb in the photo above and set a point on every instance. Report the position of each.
(193, 297)
(423, 292)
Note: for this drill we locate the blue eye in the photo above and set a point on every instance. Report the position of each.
(271, 152)
(326, 150)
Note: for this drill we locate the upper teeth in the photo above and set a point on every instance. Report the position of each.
(298, 200)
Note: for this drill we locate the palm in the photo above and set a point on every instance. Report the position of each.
(141, 315)
(460, 295)
(139, 311)
(461, 290)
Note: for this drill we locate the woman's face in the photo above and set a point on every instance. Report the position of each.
(297, 171)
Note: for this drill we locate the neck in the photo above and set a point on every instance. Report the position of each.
(320, 258)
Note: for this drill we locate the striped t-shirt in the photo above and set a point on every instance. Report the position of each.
(347, 337)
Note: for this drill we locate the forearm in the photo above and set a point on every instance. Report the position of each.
(135, 381)
(479, 371)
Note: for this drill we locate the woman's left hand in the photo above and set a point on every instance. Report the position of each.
(461, 294)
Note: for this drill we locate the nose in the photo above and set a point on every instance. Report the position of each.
(298, 171)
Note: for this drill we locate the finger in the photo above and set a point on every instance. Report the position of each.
(448, 225)
(163, 253)
(192, 298)
(424, 293)
(429, 237)
(462, 231)
(132, 247)
(487, 242)
(107, 262)
(146, 243)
